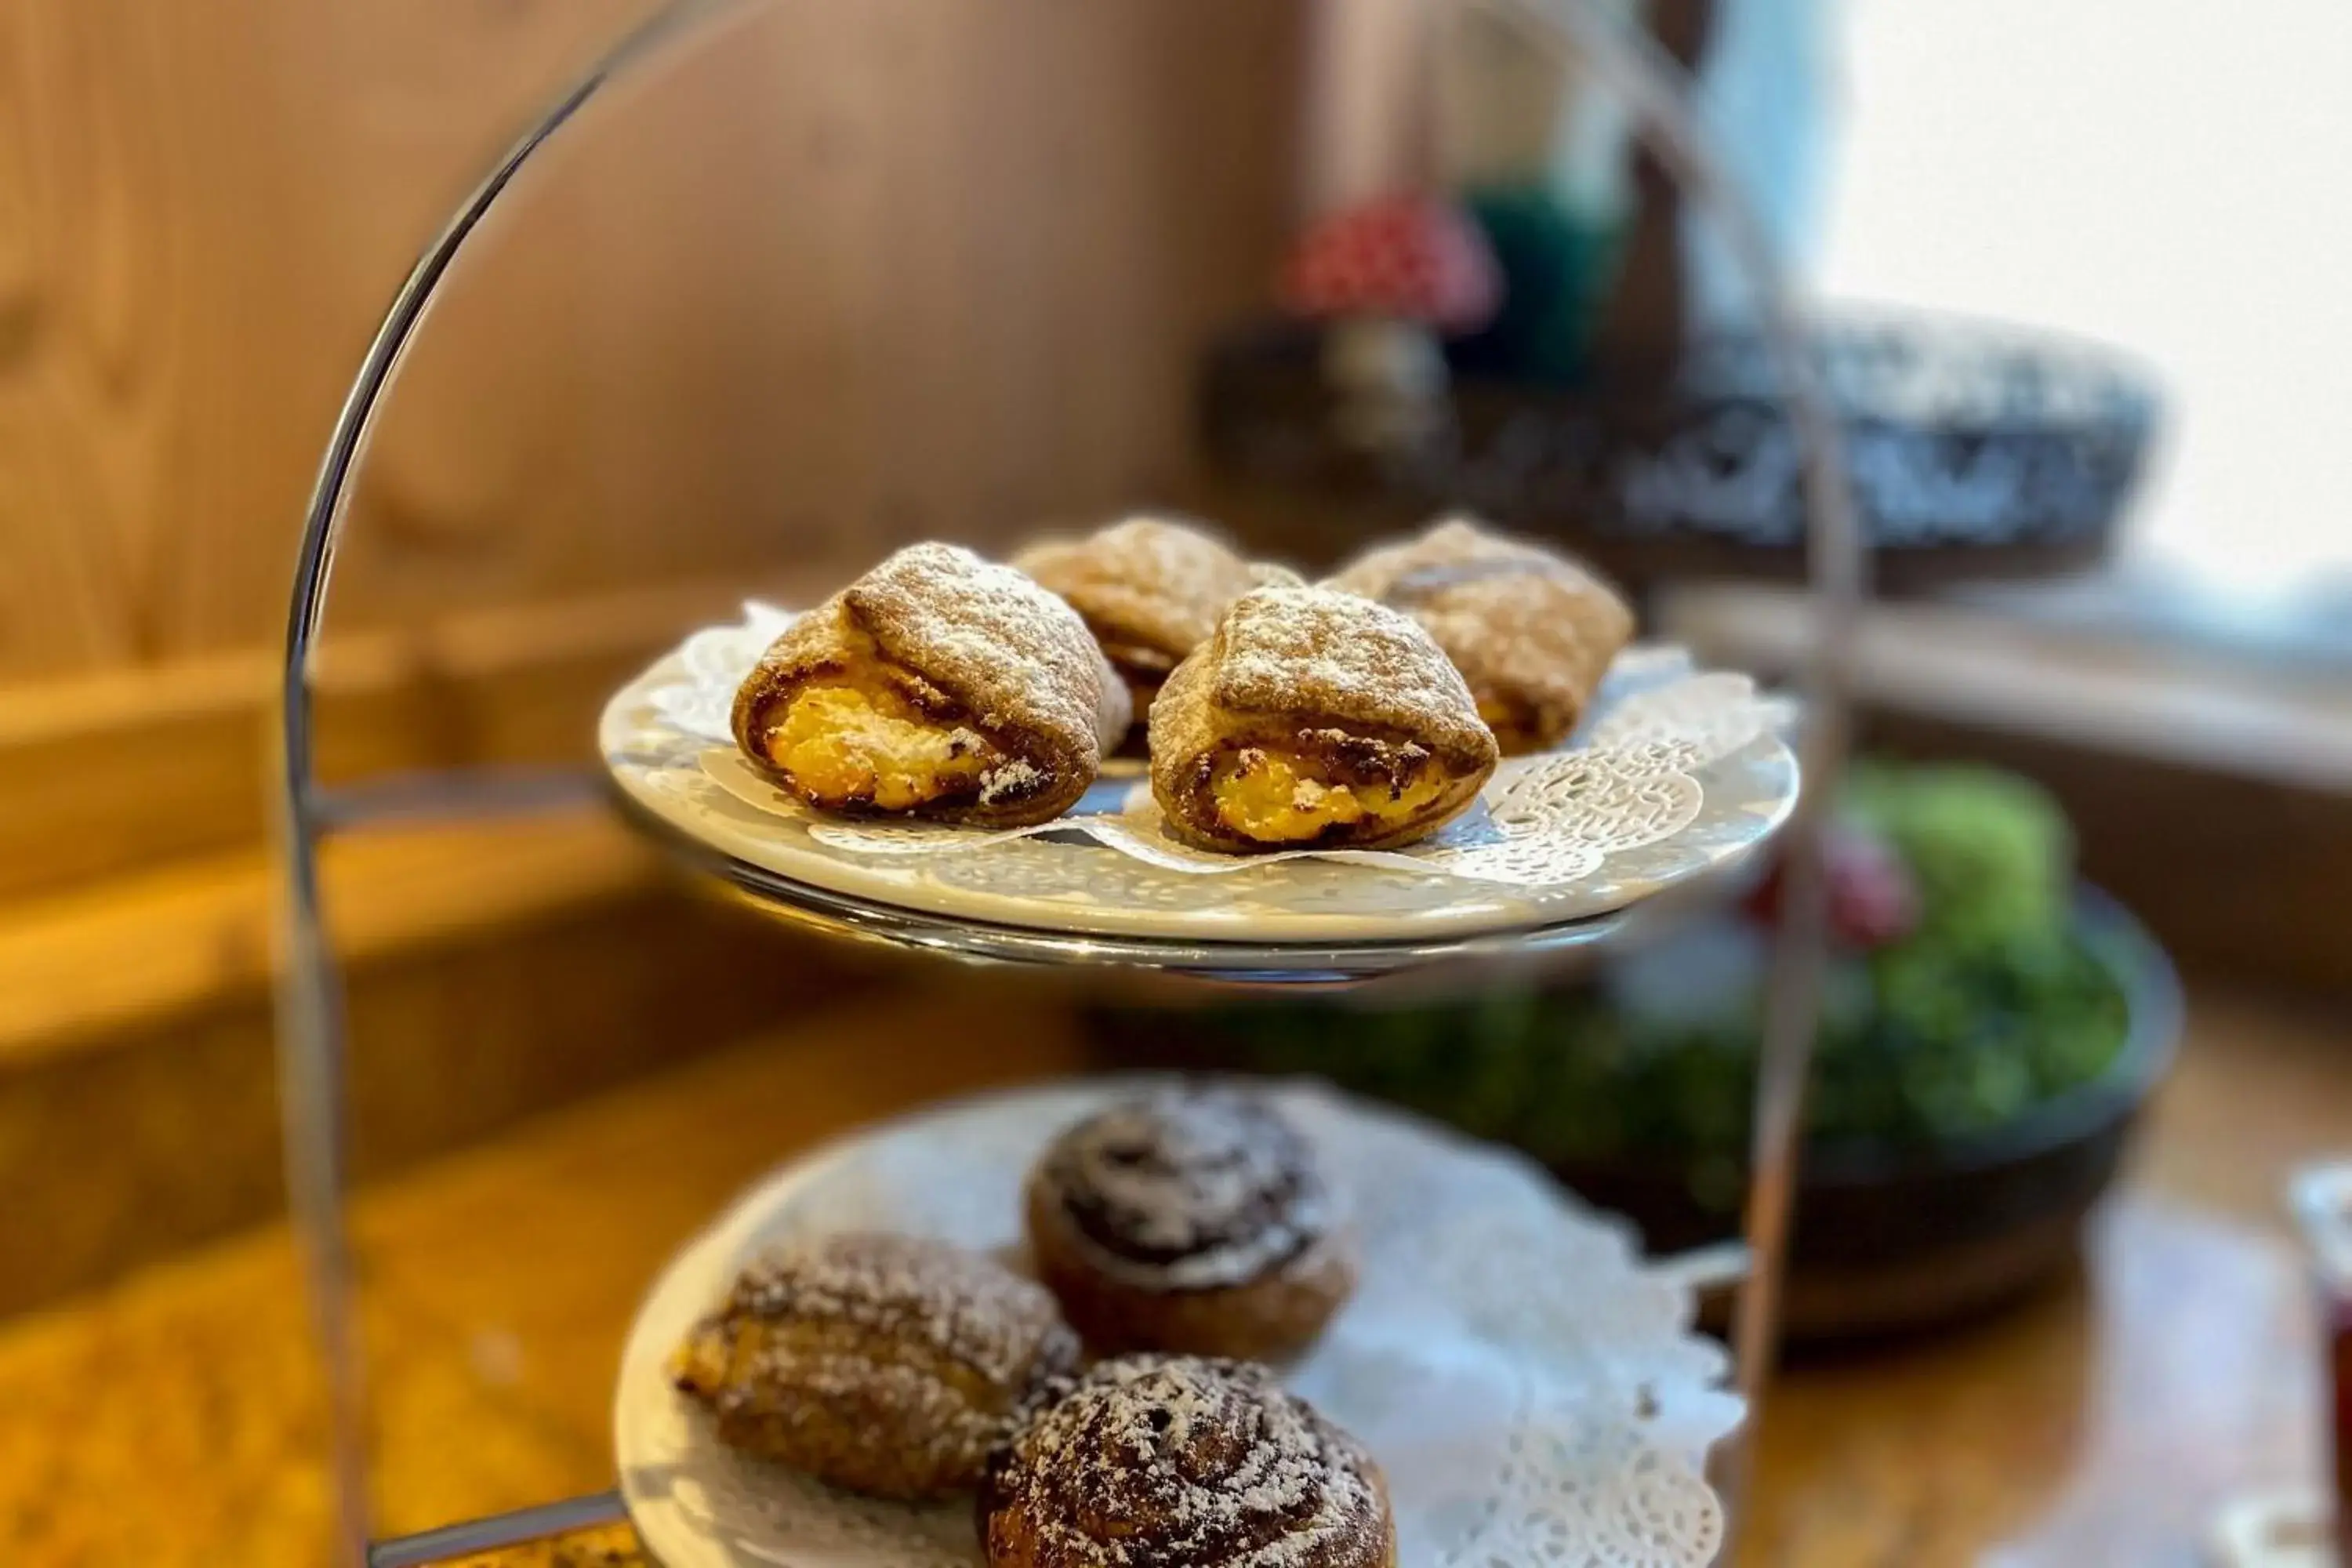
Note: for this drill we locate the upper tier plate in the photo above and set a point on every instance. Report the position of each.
(1676, 773)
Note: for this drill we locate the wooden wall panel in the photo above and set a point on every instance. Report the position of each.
(845, 273)
(187, 287)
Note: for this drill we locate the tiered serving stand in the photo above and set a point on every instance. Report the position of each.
(312, 1047)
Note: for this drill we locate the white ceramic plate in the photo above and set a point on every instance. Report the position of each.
(663, 739)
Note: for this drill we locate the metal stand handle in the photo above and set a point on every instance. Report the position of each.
(312, 1045)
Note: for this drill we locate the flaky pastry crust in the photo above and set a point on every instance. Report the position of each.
(1151, 589)
(939, 665)
(1531, 630)
(881, 1363)
(1185, 1462)
(1315, 719)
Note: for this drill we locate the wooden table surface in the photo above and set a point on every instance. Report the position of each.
(2100, 1424)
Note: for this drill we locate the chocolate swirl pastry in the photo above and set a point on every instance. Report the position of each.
(1189, 1220)
(937, 685)
(880, 1364)
(1531, 630)
(1185, 1463)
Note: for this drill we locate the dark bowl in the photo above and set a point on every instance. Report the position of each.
(1894, 1239)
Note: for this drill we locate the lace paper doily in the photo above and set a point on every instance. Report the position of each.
(1676, 771)
(1535, 1393)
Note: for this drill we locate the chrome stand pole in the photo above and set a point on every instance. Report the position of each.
(498, 1532)
(1658, 92)
(313, 1049)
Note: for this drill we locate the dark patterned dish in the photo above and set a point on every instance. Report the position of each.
(1975, 453)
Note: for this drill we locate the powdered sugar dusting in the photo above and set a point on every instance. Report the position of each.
(952, 1344)
(1288, 664)
(1008, 777)
(1188, 1189)
(977, 638)
(1322, 657)
(1293, 649)
(1151, 588)
(1528, 626)
(1186, 1462)
(949, 1301)
(986, 634)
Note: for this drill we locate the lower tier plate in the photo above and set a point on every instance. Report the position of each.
(1533, 1390)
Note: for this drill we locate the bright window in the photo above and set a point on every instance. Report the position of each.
(2173, 176)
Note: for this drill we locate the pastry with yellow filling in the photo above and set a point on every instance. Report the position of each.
(1315, 719)
(1531, 630)
(937, 685)
(1151, 589)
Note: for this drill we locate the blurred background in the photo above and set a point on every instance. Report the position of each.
(838, 278)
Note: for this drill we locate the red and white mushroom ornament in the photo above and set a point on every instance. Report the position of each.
(1390, 277)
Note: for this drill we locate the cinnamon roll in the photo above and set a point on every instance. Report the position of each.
(1185, 1463)
(1189, 1220)
(1149, 588)
(937, 685)
(1314, 718)
(1531, 630)
(880, 1364)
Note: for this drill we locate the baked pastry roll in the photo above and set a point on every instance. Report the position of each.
(1314, 718)
(1151, 589)
(937, 685)
(1182, 1462)
(1189, 1220)
(881, 1363)
(1531, 630)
